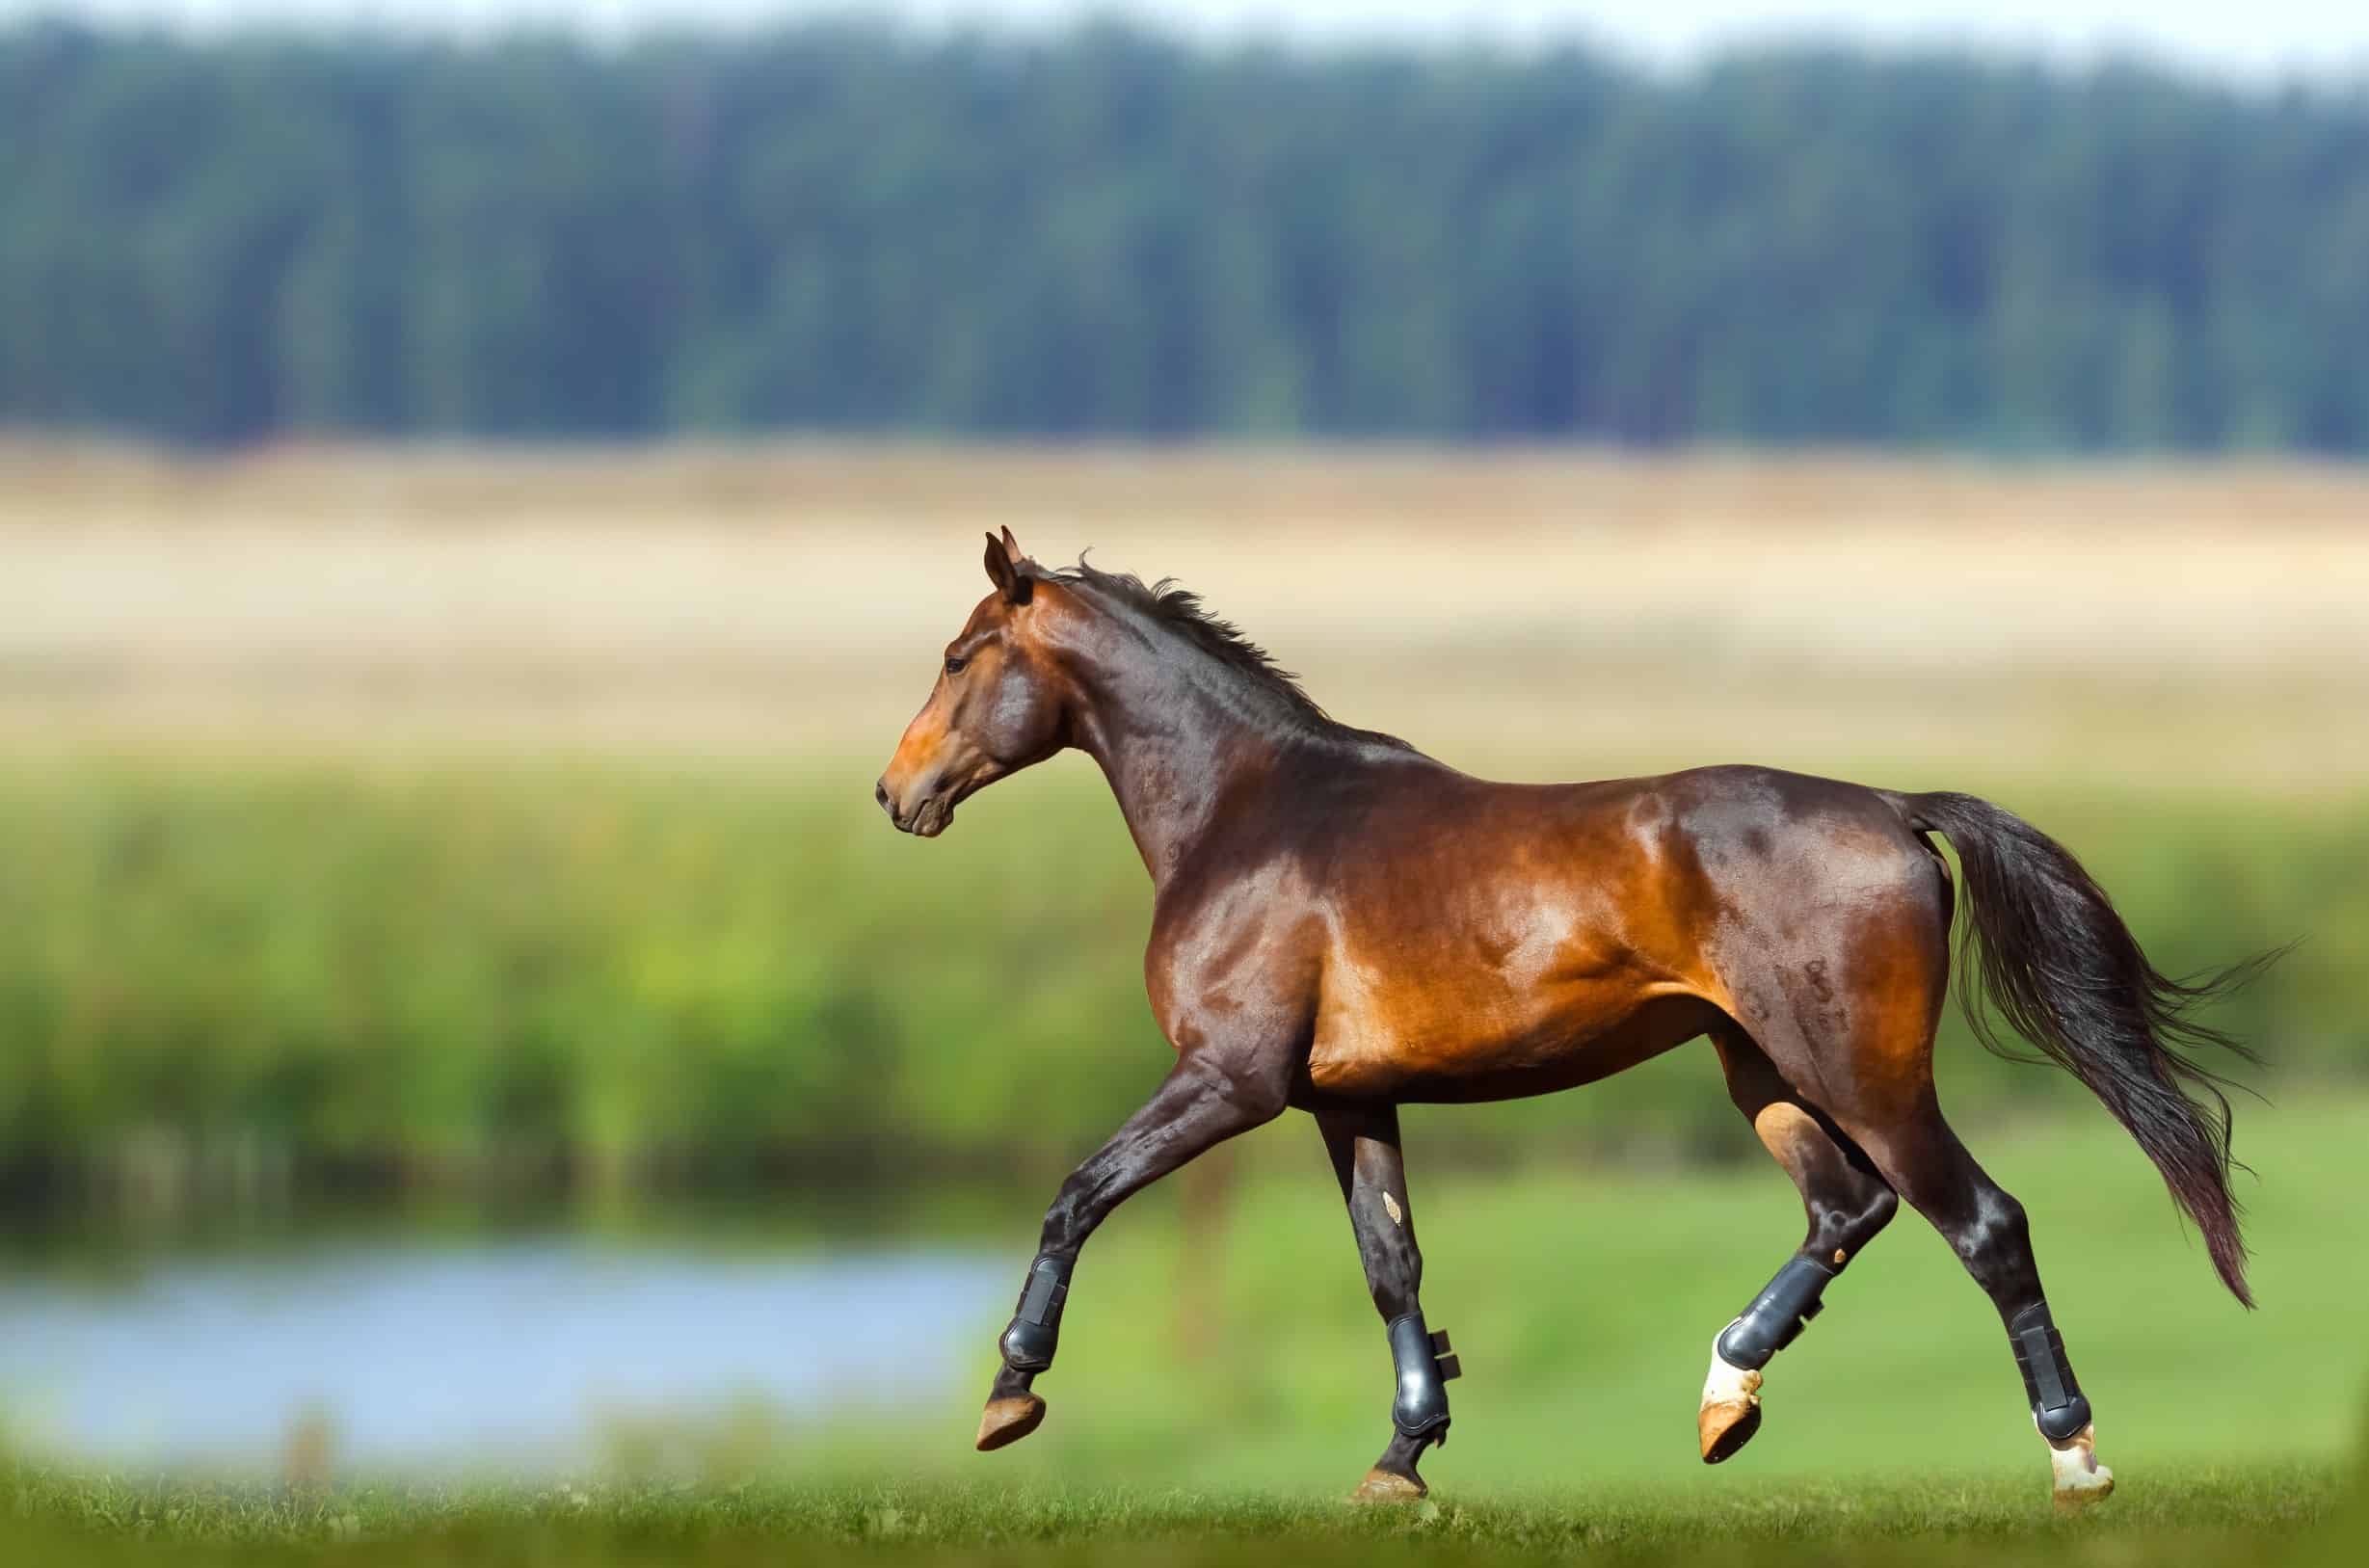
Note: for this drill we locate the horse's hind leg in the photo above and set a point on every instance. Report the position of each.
(1363, 1141)
(1922, 1157)
(1845, 1202)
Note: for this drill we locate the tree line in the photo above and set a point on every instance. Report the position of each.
(832, 227)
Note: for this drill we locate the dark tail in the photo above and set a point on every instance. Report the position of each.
(2054, 958)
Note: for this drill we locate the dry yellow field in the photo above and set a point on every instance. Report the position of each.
(1532, 613)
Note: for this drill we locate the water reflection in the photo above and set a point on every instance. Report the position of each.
(515, 1352)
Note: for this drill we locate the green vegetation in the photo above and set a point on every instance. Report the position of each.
(2217, 1516)
(710, 976)
(844, 228)
(1216, 1398)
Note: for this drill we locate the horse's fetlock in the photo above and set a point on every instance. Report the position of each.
(2057, 1407)
(1034, 1333)
(1425, 1363)
(1776, 1315)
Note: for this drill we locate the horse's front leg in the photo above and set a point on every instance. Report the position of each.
(1363, 1143)
(1202, 1103)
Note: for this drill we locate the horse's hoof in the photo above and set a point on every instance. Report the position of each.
(1727, 1428)
(2080, 1479)
(1389, 1487)
(1730, 1411)
(1008, 1420)
(2094, 1490)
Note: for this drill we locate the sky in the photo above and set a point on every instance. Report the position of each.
(2256, 39)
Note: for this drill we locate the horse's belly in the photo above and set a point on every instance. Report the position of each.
(1475, 1041)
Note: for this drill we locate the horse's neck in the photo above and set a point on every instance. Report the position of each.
(1175, 751)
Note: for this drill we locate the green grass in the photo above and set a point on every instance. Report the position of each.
(2198, 1515)
(639, 973)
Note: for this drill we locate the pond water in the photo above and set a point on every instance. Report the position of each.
(516, 1352)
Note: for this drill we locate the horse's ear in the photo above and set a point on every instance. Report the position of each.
(1011, 548)
(1003, 570)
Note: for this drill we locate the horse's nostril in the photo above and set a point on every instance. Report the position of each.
(880, 793)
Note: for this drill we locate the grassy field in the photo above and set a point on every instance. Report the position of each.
(1537, 614)
(1216, 1396)
(2223, 1515)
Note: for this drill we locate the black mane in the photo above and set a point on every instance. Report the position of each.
(1180, 609)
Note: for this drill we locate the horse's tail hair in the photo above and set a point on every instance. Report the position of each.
(2047, 950)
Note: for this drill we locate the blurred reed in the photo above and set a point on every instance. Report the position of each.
(230, 981)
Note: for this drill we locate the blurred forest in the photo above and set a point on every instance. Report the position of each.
(834, 228)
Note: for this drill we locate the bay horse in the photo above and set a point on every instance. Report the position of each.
(1343, 925)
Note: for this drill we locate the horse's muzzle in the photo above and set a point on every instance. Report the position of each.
(926, 819)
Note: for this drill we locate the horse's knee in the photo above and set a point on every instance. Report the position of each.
(1069, 1220)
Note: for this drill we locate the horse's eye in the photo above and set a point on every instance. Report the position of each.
(954, 666)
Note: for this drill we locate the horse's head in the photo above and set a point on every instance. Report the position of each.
(996, 707)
